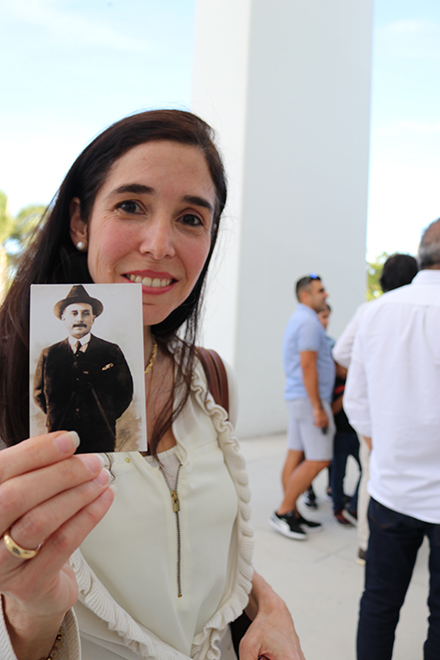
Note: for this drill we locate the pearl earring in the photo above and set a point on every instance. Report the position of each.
(81, 246)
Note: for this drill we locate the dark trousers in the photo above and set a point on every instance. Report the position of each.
(344, 445)
(391, 555)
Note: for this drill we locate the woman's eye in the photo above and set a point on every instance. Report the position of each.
(129, 207)
(191, 220)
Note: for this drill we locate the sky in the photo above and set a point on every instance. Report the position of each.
(405, 124)
(72, 67)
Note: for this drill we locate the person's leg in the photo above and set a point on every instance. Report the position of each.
(299, 481)
(295, 449)
(293, 459)
(363, 496)
(391, 555)
(353, 450)
(310, 499)
(432, 644)
(340, 455)
(318, 449)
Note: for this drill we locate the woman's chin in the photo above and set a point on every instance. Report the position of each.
(153, 317)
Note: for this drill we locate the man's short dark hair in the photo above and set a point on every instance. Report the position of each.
(429, 249)
(398, 270)
(304, 283)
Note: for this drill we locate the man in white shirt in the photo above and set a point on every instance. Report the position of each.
(392, 398)
(398, 270)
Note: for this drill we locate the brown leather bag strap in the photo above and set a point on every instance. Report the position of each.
(215, 375)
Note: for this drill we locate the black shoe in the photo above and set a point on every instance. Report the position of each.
(310, 498)
(310, 525)
(361, 558)
(288, 525)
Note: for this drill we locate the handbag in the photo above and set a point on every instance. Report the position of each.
(217, 379)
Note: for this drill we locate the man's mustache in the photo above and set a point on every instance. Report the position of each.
(79, 325)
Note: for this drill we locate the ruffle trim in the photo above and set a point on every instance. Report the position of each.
(96, 597)
(205, 644)
(70, 649)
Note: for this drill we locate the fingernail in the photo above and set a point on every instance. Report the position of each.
(66, 442)
(93, 462)
(103, 478)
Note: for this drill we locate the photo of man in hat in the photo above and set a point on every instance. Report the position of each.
(83, 383)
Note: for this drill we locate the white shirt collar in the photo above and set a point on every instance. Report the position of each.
(83, 341)
(427, 276)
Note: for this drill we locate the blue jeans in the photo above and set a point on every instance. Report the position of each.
(391, 555)
(344, 445)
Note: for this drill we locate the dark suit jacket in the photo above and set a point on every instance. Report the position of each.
(85, 393)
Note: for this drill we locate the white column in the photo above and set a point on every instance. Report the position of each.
(286, 84)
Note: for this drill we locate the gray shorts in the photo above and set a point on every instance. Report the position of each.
(304, 436)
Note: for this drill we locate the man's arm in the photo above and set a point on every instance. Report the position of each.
(311, 384)
(356, 398)
(39, 397)
(343, 348)
(124, 383)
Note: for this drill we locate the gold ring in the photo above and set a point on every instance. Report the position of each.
(17, 550)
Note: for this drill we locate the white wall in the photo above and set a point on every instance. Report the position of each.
(286, 84)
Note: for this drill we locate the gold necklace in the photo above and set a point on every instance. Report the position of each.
(149, 366)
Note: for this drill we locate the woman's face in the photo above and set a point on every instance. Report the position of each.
(151, 223)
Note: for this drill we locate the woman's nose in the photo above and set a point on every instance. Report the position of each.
(158, 238)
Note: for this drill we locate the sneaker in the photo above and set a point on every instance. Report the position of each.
(310, 525)
(341, 519)
(361, 558)
(310, 498)
(288, 525)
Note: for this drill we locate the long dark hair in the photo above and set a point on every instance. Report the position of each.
(51, 258)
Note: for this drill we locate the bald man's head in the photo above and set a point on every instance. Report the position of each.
(429, 249)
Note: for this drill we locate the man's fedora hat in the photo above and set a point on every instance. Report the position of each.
(78, 294)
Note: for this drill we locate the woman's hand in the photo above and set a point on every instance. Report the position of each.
(49, 497)
(272, 634)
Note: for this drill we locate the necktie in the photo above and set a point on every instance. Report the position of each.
(77, 348)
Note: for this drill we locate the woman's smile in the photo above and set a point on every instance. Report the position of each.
(160, 282)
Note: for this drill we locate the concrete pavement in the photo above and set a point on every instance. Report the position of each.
(319, 578)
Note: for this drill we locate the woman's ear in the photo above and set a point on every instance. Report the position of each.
(78, 228)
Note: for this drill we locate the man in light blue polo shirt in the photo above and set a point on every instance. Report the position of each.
(310, 377)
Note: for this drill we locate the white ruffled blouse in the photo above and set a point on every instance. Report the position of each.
(162, 576)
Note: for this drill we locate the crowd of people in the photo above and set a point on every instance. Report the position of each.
(373, 395)
(148, 554)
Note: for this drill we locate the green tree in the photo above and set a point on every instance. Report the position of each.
(6, 220)
(374, 271)
(15, 232)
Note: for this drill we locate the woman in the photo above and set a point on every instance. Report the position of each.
(157, 577)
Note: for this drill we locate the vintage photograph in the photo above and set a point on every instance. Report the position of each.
(86, 357)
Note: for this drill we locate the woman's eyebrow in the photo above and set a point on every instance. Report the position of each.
(135, 188)
(198, 201)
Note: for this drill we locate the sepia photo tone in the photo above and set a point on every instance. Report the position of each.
(85, 351)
